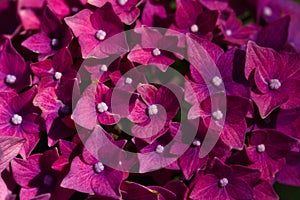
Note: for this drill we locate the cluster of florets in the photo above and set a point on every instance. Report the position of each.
(50, 105)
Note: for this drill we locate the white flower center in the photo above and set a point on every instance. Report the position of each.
(274, 84)
(159, 149)
(122, 2)
(74, 9)
(99, 167)
(156, 52)
(57, 75)
(103, 68)
(102, 107)
(194, 28)
(152, 110)
(217, 81)
(16, 119)
(217, 115)
(10, 79)
(128, 80)
(223, 182)
(228, 32)
(196, 143)
(100, 35)
(48, 180)
(261, 148)
(54, 42)
(267, 11)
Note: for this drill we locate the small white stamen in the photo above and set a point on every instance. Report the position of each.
(274, 84)
(57, 75)
(156, 52)
(217, 115)
(102, 107)
(16, 119)
(10, 79)
(261, 148)
(99, 167)
(159, 149)
(268, 11)
(54, 42)
(48, 180)
(128, 80)
(217, 81)
(194, 28)
(74, 9)
(120, 163)
(223, 182)
(103, 68)
(228, 32)
(100, 35)
(122, 2)
(152, 110)
(196, 143)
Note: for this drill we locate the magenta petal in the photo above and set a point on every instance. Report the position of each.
(152, 128)
(135, 191)
(138, 113)
(190, 162)
(264, 190)
(108, 183)
(79, 177)
(206, 188)
(148, 93)
(234, 134)
(5, 193)
(80, 23)
(30, 167)
(269, 101)
(9, 148)
(85, 113)
(39, 43)
(108, 118)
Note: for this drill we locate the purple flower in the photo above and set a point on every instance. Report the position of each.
(14, 72)
(196, 85)
(56, 112)
(267, 150)
(276, 77)
(51, 72)
(190, 161)
(93, 28)
(127, 10)
(95, 106)
(36, 176)
(152, 111)
(225, 182)
(54, 35)
(234, 129)
(20, 118)
(271, 11)
(89, 175)
(190, 17)
(154, 49)
(233, 30)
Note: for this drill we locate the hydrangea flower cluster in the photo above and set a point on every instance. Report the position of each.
(53, 103)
